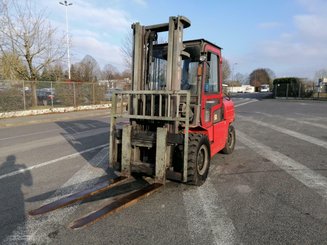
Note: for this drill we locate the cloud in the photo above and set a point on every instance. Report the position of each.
(301, 51)
(105, 18)
(140, 2)
(314, 6)
(311, 27)
(103, 52)
(269, 25)
(90, 14)
(95, 29)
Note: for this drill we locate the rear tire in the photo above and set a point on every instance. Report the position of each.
(198, 159)
(230, 142)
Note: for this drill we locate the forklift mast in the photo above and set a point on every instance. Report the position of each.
(144, 40)
(145, 37)
(157, 107)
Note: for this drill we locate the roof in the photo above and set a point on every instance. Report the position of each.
(202, 40)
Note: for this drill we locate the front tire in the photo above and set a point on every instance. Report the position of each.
(198, 159)
(231, 140)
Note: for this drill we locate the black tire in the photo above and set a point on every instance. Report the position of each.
(230, 142)
(198, 159)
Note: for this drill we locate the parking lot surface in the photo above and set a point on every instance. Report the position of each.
(271, 190)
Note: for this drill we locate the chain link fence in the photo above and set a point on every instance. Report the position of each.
(18, 95)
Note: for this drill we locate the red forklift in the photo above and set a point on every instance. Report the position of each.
(177, 117)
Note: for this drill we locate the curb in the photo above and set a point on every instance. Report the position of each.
(299, 100)
(12, 114)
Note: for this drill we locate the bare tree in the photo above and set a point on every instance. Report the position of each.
(260, 76)
(26, 34)
(271, 74)
(127, 74)
(225, 69)
(127, 50)
(109, 72)
(241, 78)
(89, 69)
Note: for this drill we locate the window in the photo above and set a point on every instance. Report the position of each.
(189, 75)
(211, 84)
(158, 73)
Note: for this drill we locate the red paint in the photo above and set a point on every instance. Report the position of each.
(217, 131)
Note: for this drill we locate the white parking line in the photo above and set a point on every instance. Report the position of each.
(42, 132)
(300, 172)
(298, 120)
(248, 102)
(294, 134)
(50, 140)
(35, 230)
(206, 214)
(52, 161)
(30, 134)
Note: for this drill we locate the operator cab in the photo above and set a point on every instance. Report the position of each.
(199, 73)
(191, 67)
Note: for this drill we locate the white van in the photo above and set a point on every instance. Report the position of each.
(264, 88)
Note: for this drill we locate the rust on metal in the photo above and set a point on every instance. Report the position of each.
(115, 206)
(65, 201)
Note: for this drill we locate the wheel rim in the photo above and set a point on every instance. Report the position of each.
(202, 160)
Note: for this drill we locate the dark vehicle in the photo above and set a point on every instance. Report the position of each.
(108, 95)
(45, 96)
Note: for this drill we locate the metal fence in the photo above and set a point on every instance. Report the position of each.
(300, 91)
(18, 95)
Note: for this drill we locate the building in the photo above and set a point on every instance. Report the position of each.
(122, 84)
(322, 85)
(241, 89)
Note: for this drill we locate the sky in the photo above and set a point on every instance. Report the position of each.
(287, 36)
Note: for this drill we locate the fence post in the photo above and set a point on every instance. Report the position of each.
(299, 90)
(52, 94)
(74, 91)
(286, 91)
(93, 92)
(24, 97)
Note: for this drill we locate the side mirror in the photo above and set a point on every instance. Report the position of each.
(203, 58)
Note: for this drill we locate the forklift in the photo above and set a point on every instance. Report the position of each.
(177, 117)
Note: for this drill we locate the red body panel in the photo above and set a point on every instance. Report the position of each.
(217, 130)
(220, 137)
(220, 129)
(229, 111)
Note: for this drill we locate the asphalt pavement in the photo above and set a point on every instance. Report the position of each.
(48, 118)
(271, 190)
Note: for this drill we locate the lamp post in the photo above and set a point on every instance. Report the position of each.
(66, 4)
(233, 71)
